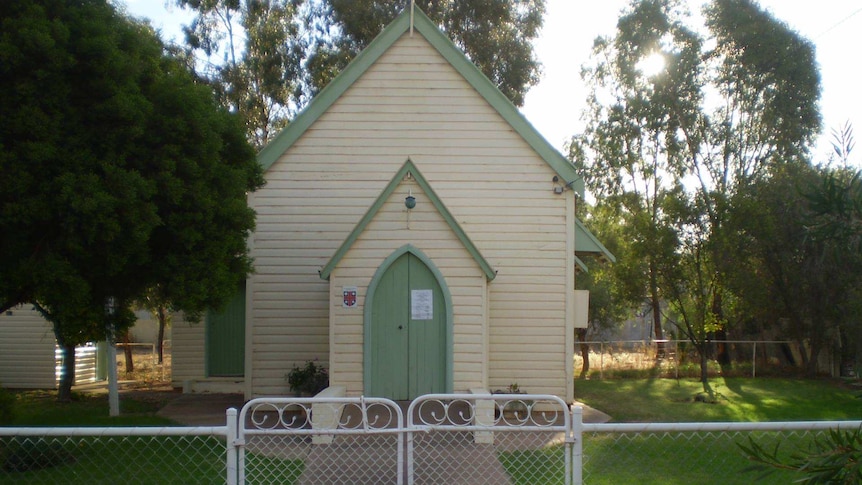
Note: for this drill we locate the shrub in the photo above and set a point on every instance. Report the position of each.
(308, 379)
(34, 454)
(835, 459)
(7, 406)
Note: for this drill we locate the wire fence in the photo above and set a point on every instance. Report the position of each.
(157, 455)
(679, 358)
(451, 439)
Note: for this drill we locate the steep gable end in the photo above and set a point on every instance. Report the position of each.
(423, 26)
(408, 169)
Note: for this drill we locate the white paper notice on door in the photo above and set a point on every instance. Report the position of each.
(421, 304)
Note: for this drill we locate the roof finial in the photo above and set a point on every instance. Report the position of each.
(412, 6)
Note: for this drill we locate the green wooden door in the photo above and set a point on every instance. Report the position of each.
(225, 334)
(408, 336)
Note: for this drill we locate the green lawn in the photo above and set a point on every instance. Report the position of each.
(608, 459)
(740, 399)
(89, 460)
(40, 408)
(669, 458)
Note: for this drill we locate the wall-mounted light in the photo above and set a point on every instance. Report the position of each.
(410, 201)
(559, 189)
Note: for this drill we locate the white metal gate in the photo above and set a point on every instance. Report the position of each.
(497, 439)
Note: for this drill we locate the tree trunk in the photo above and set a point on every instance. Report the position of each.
(67, 373)
(722, 354)
(813, 357)
(585, 352)
(127, 351)
(704, 373)
(655, 304)
(160, 342)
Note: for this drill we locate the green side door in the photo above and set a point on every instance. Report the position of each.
(225, 337)
(408, 336)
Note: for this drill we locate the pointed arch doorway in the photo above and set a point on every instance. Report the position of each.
(408, 329)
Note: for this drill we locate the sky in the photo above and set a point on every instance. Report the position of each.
(555, 105)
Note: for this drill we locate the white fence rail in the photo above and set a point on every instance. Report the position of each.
(452, 439)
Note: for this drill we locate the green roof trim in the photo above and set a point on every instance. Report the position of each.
(585, 242)
(424, 26)
(408, 168)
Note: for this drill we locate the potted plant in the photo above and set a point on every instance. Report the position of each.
(308, 380)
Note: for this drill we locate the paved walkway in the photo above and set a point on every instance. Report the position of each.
(201, 409)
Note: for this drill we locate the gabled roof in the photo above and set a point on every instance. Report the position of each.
(585, 242)
(425, 27)
(408, 168)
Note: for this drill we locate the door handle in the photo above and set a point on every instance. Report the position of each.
(400, 327)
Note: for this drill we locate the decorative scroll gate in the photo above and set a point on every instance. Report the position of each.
(443, 438)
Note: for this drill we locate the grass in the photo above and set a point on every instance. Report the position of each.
(740, 400)
(144, 460)
(40, 408)
(705, 457)
(87, 460)
(609, 458)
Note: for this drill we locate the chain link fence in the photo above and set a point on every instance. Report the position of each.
(685, 453)
(113, 455)
(679, 358)
(495, 439)
(438, 439)
(313, 441)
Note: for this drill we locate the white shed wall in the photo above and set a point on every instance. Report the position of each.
(26, 350)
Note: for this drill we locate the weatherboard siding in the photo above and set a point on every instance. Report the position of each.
(425, 229)
(188, 355)
(27, 346)
(29, 356)
(412, 103)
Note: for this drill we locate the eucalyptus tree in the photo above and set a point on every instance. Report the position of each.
(251, 52)
(631, 154)
(267, 58)
(766, 112)
(736, 98)
(119, 172)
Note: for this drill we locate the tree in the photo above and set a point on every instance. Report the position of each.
(268, 58)
(690, 284)
(496, 35)
(795, 234)
(253, 52)
(649, 136)
(119, 173)
(836, 203)
(614, 288)
(630, 154)
(160, 307)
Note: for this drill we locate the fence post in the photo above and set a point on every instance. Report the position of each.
(754, 359)
(602, 360)
(576, 436)
(231, 448)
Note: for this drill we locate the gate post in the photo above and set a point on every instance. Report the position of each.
(231, 448)
(575, 436)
